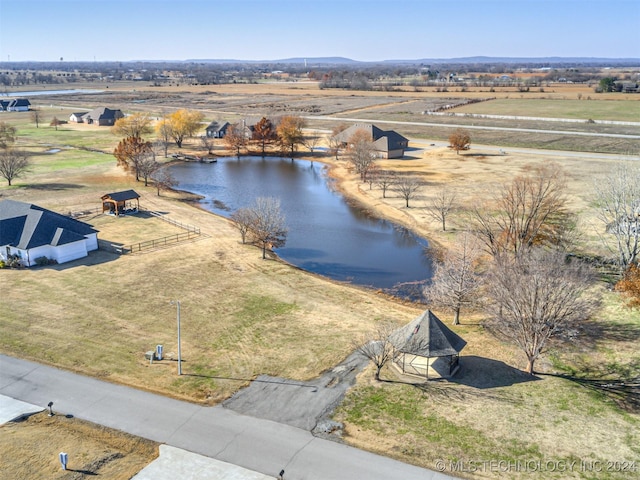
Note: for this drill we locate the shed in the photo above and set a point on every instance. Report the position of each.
(427, 348)
(119, 203)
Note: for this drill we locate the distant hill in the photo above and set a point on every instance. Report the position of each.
(600, 61)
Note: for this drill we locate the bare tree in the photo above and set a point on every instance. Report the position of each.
(440, 206)
(13, 163)
(163, 130)
(361, 153)
(385, 179)
(376, 345)
(407, 186)
(36, 116)
(269, 229)
(527, 212)
(537, 296)
(208, 143)
(334, 146)
(618, 201)
(164, 180)
(243, 220)
(311, 142)
(455, 283)
(146, 165)
(7, 135)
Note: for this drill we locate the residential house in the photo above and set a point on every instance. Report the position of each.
(77, 117)
(4, 105)
(387, 143)
(30, 232)
(217, 130)
(102, 116)
(19, 105)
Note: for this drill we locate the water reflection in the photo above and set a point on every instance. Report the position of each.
(327, 235)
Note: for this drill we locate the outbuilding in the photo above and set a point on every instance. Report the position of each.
(119, 203)
(426, 347)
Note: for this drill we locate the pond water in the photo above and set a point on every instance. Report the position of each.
(49, 92)
(326, 235)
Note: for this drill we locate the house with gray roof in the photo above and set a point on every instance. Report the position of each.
(19, 105)
(102, 116)
(30, 232)
(4, 105)
(76, 117)
(387, 143)
(217, 130)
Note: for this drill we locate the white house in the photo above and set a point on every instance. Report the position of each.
(76, 117)
(19, 105)
(31, 232)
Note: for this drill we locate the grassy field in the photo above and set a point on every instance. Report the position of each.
(243, 316)
(623, 110)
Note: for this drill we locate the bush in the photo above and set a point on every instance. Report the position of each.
(630, 285)
(42, 261)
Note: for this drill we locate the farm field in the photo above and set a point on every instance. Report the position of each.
(403, 107)
(243, 316)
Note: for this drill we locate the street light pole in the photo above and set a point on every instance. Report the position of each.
(177, 304)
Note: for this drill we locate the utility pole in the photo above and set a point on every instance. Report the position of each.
(177, 304)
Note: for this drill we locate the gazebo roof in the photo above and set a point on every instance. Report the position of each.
(121, 196)
(427, 336)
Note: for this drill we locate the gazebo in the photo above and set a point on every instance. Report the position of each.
(118, 203)
(425, 347)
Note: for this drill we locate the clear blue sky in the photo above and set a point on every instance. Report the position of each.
(367, 30)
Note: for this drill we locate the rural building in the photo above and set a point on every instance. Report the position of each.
(4, 105)
(425, 347)
(102, 116)
(31, 232)
(119, 203)
(19, 105)
(217, 130)
(77, 117)
(387, 143)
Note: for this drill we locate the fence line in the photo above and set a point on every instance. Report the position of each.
(158, 242)
(184, 226)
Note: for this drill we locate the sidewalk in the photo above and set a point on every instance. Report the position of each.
(256, 444)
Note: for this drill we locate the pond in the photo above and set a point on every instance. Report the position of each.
(50, 92)
(327, 235)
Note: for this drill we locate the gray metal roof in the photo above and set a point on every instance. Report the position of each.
(427, 336)
(384, 139)
(103, 113)
(25, 226)
(121, 196)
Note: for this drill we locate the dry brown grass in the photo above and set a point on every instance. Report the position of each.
(30, 449)
(242, 316)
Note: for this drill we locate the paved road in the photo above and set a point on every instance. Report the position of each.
(257, 444)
